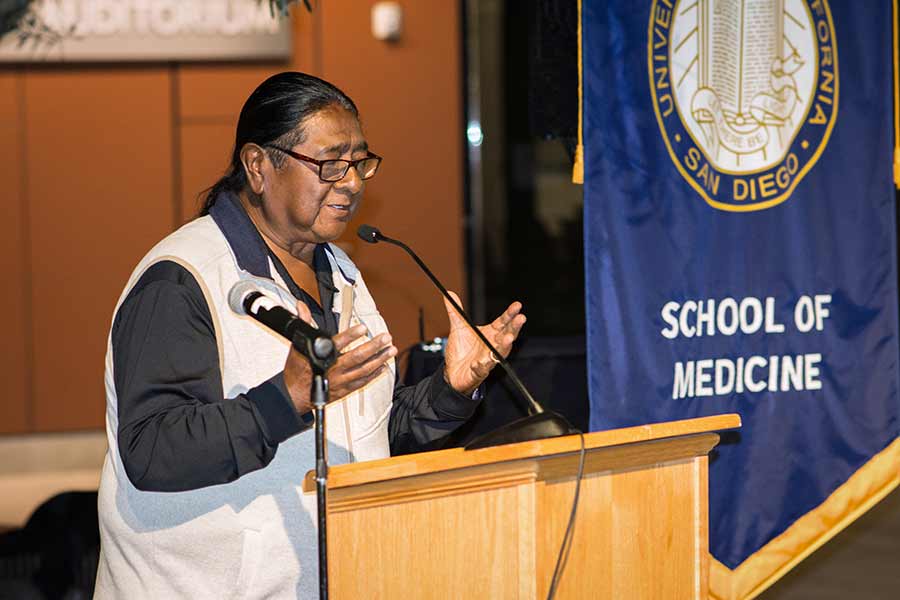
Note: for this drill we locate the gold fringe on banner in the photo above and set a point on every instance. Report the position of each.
(865, 488)
(578, 168)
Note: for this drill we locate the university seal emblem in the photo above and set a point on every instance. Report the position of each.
(745, 93)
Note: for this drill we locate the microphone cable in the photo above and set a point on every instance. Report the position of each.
(566, 545)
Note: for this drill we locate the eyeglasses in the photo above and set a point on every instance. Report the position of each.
(335, 169)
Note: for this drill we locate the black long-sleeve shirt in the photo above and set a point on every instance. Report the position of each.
(177, 431)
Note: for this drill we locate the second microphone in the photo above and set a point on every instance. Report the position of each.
(245, 299)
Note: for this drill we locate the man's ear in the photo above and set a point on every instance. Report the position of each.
(256, 166)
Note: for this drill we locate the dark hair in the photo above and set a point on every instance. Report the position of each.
(271, 115)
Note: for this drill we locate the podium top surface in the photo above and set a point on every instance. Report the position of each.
(412, 465)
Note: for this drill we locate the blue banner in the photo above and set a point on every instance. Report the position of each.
(741, 252)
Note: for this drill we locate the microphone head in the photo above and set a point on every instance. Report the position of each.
(238, 294)
(369, 234)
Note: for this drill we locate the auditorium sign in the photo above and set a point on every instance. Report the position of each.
(151, 30)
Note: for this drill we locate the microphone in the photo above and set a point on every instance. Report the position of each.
(244, 298)
(369, 234)
(540, 423)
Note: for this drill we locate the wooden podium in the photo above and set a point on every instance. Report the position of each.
(488, 523)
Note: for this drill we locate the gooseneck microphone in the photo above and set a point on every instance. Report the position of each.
(244, 298)
(372, 235)
(540, 423)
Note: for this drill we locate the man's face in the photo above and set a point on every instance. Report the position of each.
(300, 208)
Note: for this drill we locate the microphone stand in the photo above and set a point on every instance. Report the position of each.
(320, 352)
(321, 355)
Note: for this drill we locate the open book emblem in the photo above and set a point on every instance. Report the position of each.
(745, 92)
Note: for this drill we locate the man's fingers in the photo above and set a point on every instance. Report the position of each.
(455, 297)
(504, 337)
(509, 315)
(354, 370)
(365, 358)
(364, 352)
(515, 325)
(348, 386)
(347, 337)
(456, 319)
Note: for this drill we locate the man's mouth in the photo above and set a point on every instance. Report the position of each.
(340, 211)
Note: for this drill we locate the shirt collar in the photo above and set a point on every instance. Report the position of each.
(252, 255)
(250, 251)
(246, 243)
(323, 268)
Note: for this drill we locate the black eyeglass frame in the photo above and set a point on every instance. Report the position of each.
(320, 163)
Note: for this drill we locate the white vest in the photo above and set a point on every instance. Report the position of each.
(256, 536)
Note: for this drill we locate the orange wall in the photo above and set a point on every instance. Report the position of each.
(14, 263)
(102, 161)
